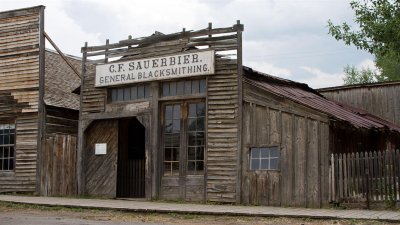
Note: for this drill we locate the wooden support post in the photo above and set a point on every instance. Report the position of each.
(41, 106)
(239, 115)
(80, 172)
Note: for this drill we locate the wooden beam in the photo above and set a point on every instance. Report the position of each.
(62, 54)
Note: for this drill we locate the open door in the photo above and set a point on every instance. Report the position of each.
(131, 159)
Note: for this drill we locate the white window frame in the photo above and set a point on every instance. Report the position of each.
(263, 157)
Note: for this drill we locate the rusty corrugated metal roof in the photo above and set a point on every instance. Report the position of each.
(303, 94)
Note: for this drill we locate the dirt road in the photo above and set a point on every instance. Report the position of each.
(20, 214)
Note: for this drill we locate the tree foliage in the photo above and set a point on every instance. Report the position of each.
(378, 33)
(363, 76)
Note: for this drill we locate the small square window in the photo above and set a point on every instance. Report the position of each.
(265, 158)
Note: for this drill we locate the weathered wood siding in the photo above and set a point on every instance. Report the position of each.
(19, 92)
(302, 136)
(58, 176)
(382, 99)
(61, 121)
(101, 170)
(220, 180)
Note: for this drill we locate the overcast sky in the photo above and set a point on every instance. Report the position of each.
(285, 38)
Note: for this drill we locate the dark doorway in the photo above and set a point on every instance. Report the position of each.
(131, 159)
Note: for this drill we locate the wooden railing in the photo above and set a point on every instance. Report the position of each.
(365, 177)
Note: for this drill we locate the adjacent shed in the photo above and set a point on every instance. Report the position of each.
(38, 112)
(380, 99)
(177, 117)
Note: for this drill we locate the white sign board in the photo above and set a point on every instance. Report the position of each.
(100, 149)
(167, 67)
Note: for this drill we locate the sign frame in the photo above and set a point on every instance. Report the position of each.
(181, 65)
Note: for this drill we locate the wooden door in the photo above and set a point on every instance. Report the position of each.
(131, 159)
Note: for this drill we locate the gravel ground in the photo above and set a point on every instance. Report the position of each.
(20, 214)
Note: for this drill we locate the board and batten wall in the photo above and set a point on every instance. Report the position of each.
(221, 157)
(381, 99)
(21, 46)
(302, 136)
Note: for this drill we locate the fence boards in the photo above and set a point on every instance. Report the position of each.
(365, 177)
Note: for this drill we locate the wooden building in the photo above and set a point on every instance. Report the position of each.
(38, 111)
(380, 99)
(178, 117)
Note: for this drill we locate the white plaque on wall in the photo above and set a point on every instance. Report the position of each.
(100, 149)
(167, 67)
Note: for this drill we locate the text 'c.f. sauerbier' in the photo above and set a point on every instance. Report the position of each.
(143, 70)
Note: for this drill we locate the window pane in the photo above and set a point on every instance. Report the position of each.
(12, 151)
(200, 124)
(176, 125)
(175, 154)
(172, 88)
(165, 89)
(120, 95)
(140, 94)
(127, 94)
(191, 166)
(264, 164)
(192, 124)
(11, 165)
(134, 92)
(146, 91)
(255, 164)
(191, 153)
(274, 163)
(12, 138)
(274, 152)
(177, 112)
(264, 152)
(168, 126)
(114, 95)
(5, 164)
(188, 87)
(255, 153)
(168, 111)
(201, 108)
(203, 86)
(6, 152)
(195, 86)
(1, 139)
(199, 165)
(192, 110)
(180, 88)
(200, 153)
(6, 139)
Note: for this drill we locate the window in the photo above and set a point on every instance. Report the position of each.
(195, 134)
(129, 93)
(7, 147)
(264, 158)
(172, 128)
(184, 138)
(187, 87)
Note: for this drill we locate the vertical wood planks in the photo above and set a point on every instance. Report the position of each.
(366, 177)
(58, 177)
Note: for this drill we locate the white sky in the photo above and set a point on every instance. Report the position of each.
(285, 38)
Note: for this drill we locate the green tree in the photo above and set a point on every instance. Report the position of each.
(363, 76)
(378, 33)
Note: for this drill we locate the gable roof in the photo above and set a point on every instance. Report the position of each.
(60, 81)
(304, 95)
